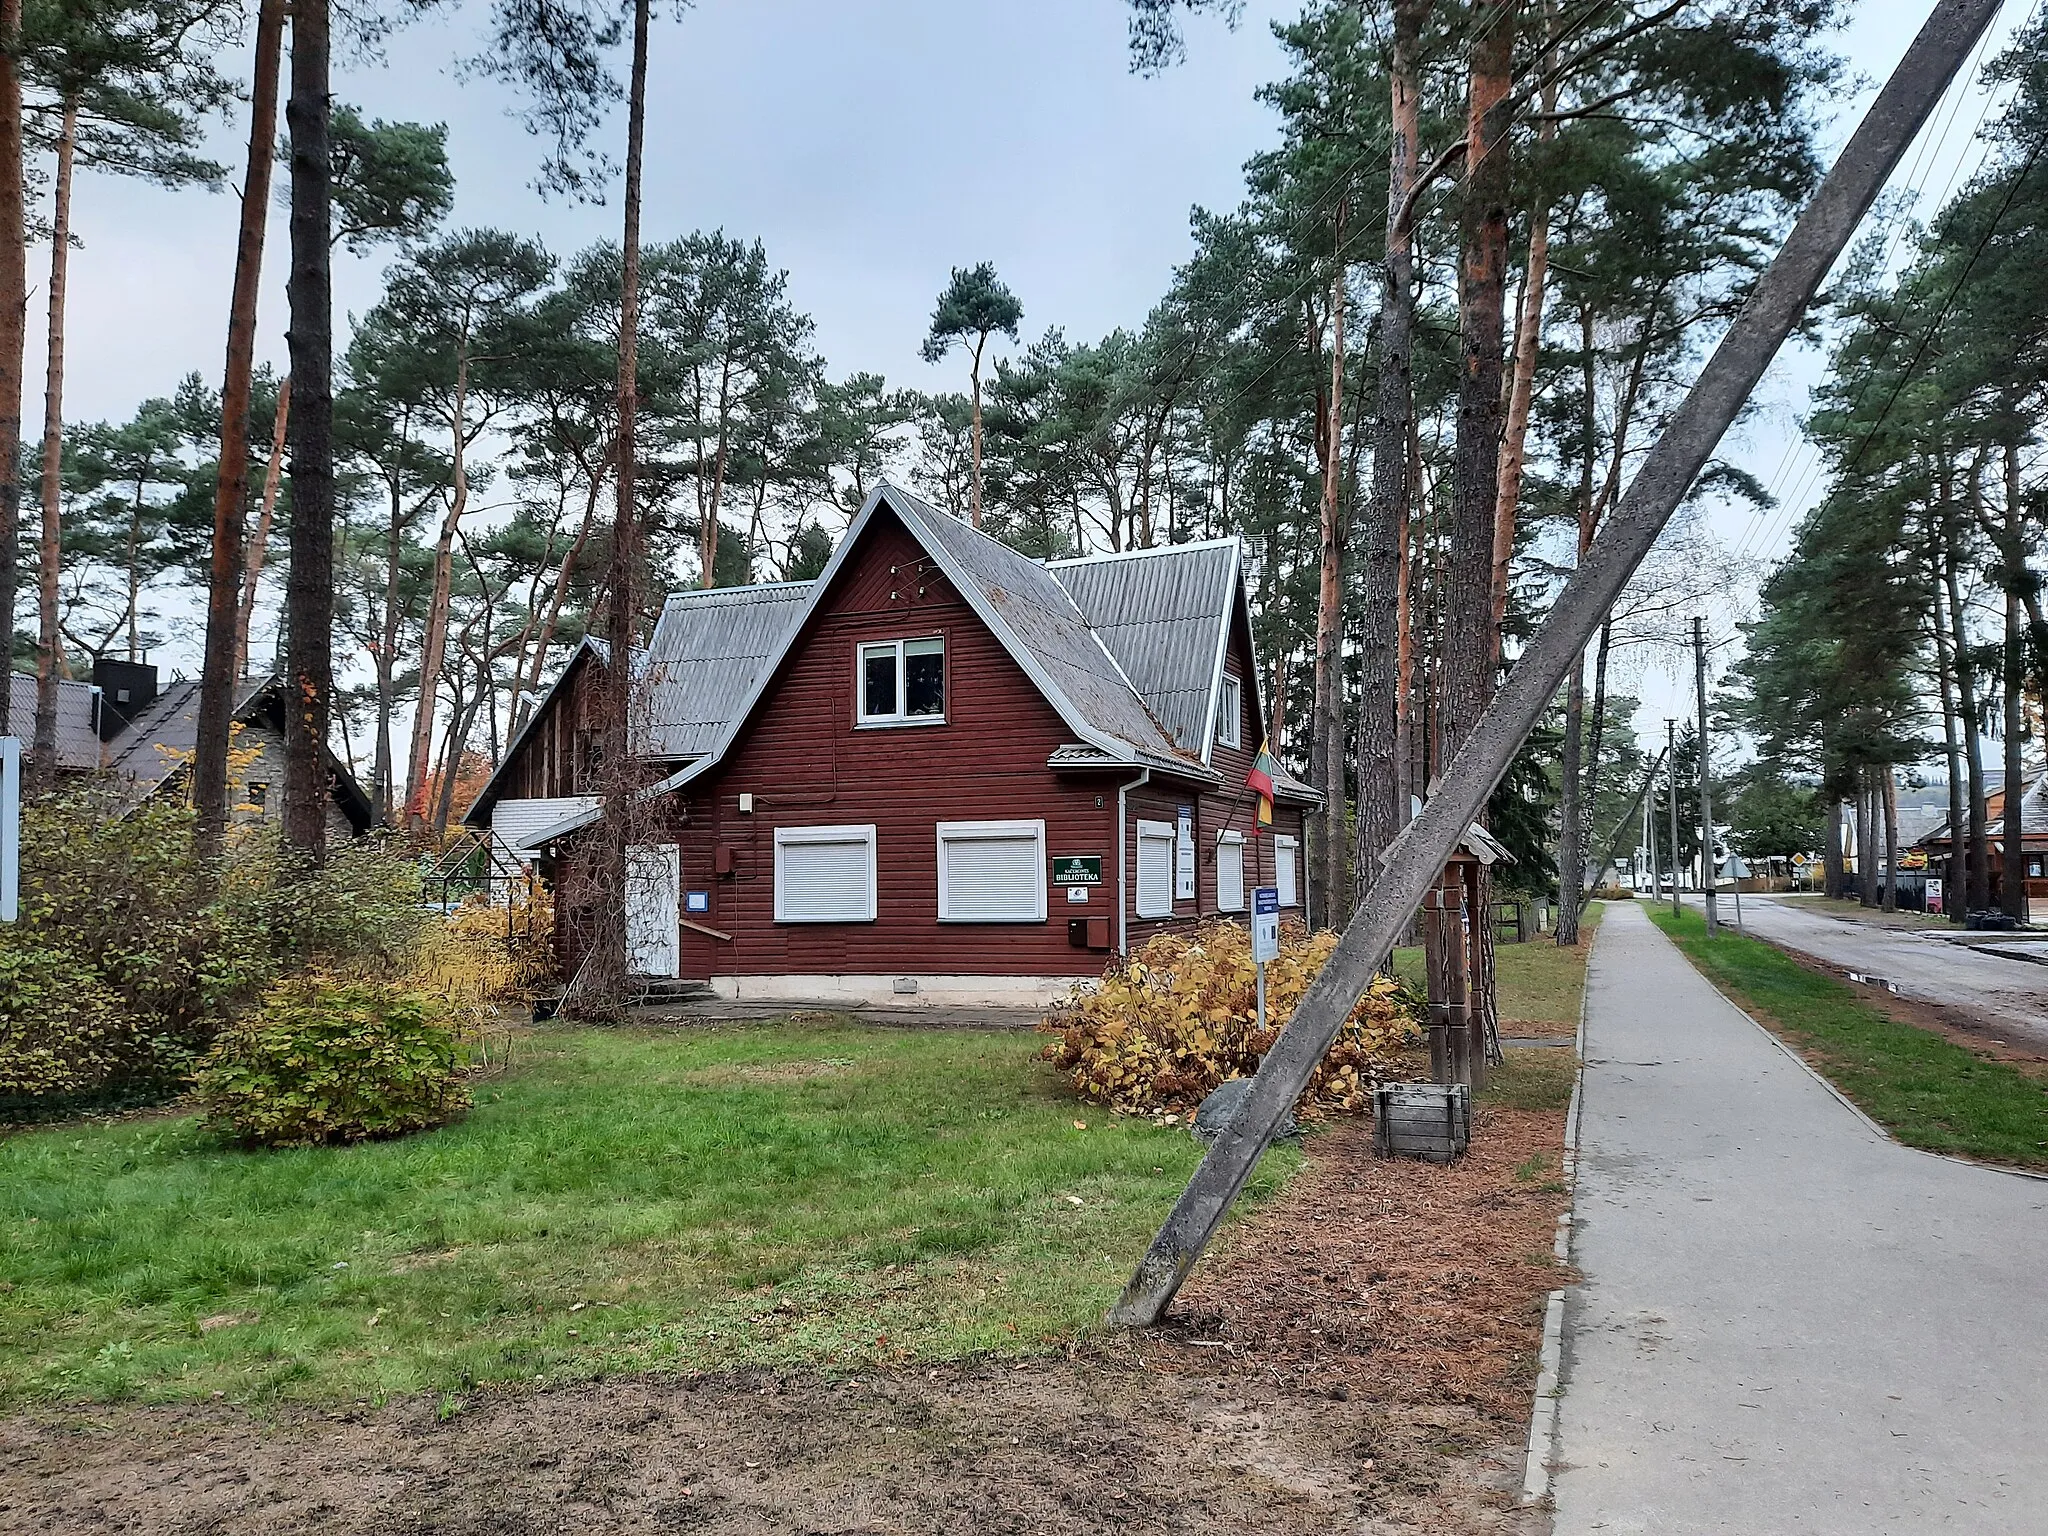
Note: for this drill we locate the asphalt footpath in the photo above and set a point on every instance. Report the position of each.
(1787, 1321)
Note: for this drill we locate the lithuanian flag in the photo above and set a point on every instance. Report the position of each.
(1261, 779)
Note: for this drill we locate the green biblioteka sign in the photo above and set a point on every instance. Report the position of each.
(1085, 869)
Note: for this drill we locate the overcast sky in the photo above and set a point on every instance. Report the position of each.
(872, 147)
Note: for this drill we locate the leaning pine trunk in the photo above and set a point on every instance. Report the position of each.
(434, 647)
(50, 559)
(309, 589)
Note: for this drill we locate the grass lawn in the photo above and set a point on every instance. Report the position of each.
(1539, 984)
(619, 1200)
(1928, 1091)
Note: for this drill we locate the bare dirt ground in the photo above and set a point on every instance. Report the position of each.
(1359, 1359)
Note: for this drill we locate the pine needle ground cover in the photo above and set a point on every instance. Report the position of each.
(619, 1200)
(1926, 1090)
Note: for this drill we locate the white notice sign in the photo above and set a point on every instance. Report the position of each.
(1265, 924)
(1184, 856)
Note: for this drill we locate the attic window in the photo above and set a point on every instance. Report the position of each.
(903, 682)
(1230, 714)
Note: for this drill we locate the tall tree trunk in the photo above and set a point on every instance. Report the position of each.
(1331, 897)
(259, 541)
(1596, 734)
(50, 560)
(1888, 785)
(434, 644)
(1866, 838)
(556, 597)
(1571, 812)
(1381, 741)
(226, 637)
(13, 341)
(618, 782)
(2012, 885)
(1831, 856)
(1944, 672)
(1975, 893)
(1482, 298)
(1522, 382)
(309, 589)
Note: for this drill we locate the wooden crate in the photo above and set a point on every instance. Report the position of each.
(1431, 1121)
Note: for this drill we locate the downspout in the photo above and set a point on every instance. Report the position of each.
(1123, 858)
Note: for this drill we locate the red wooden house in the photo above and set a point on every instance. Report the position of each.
(940, 772)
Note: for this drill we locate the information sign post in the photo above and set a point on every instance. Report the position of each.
(1265, 937)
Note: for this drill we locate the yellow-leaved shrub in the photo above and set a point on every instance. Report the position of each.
(1180, 1016)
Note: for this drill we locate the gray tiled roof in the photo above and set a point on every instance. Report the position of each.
(1164, 614)
(707, 649)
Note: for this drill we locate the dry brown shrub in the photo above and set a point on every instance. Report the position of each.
(1165, 1028)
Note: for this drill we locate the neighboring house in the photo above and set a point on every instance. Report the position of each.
(941, 771)
(152, 735)
(78, 716)
(2033, 838)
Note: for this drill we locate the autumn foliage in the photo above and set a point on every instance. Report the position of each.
(1180, 1017)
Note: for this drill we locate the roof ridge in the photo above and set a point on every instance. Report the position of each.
(1106, 556)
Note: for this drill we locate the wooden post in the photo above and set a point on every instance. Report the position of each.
(1777, 303)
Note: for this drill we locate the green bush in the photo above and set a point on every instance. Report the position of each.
(163, 951)
(64, 1036)
(333, 1061)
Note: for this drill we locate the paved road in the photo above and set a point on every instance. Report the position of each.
(1788, 1323)
(2011, 992)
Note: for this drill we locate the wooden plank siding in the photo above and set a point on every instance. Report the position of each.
(1232, 807)
(807, 763)
(554, 761)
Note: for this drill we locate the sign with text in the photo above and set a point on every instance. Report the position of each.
(1077, 869)
(1265, 923)
(1184, 856)
(1934, 893)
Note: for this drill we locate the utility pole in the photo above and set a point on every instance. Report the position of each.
(1650, 832)
(1699, 667)
(1776, 303)
(1671, 786)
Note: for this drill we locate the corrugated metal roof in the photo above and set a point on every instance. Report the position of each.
(163, 736)
(78, 743)
(1164, 613)
(1043, 618)
(708, 648)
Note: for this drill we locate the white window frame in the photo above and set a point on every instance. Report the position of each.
(1290, 893)
(1235, 842)
(1167, 836)
(901, 716)
(983, 831)
(1230, 713)
(785, 836)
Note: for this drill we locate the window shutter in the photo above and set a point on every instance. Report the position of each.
(1283, 870)
(1230, 872)
(992, 871)
(825, 874)
(1155, 868)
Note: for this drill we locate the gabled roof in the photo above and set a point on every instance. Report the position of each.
(159, 742)
(1165, 614)
(1031, 614)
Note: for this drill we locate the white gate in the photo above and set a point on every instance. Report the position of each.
(654, 879)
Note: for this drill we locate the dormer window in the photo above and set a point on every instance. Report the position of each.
(903, 682)
(1230, 714)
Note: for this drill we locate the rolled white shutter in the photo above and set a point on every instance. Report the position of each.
(1155, 869)
(825, 874)
(1283, 870)
(992, 871)
(1230, 873)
